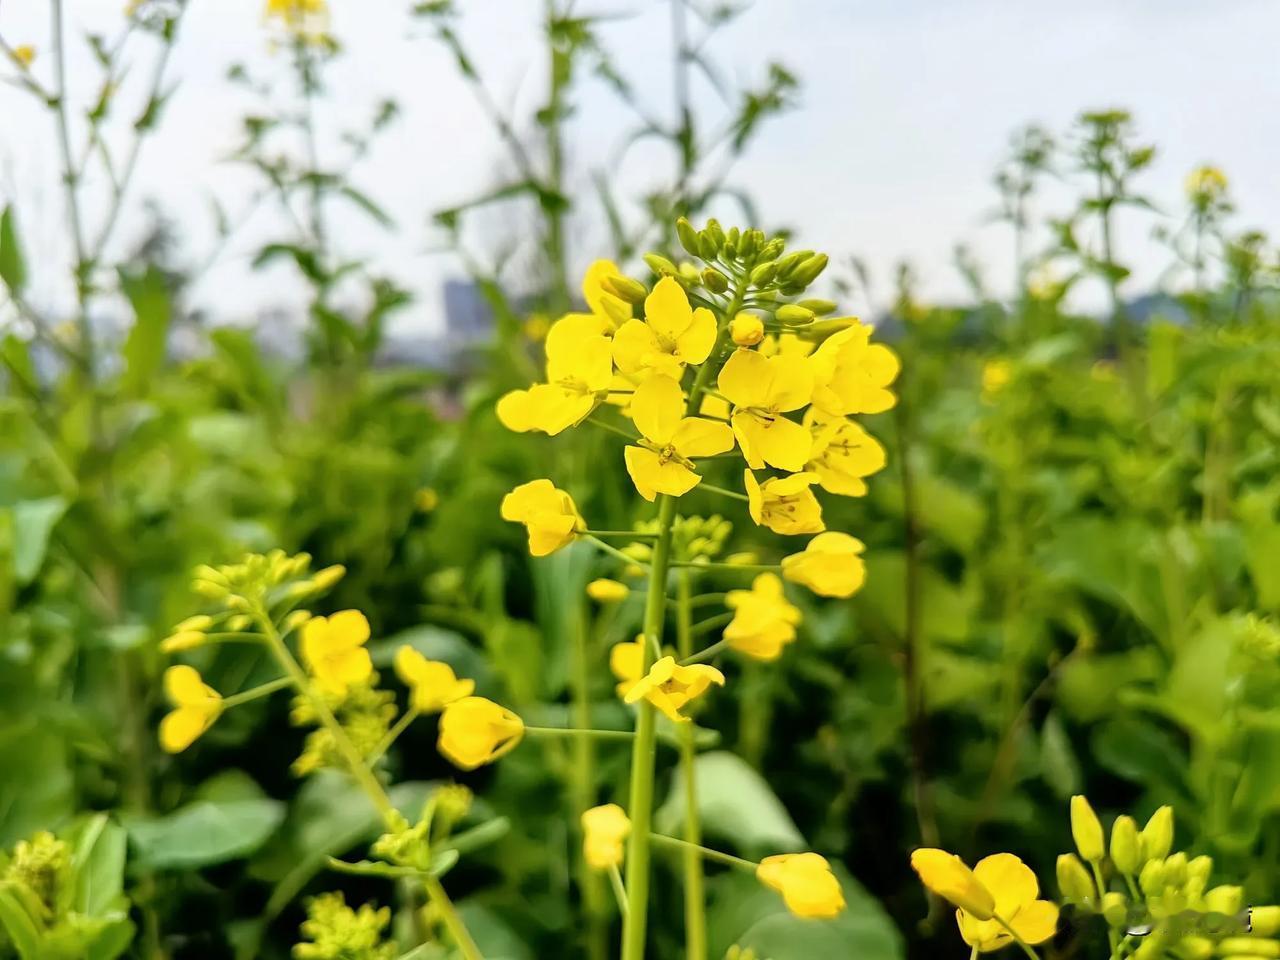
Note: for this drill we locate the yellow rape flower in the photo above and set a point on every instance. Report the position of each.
(830, 566)
(604, 590)
(432, 684)
(842, 454)
(808, 887)
(785, 345)
(195, 708)
(946, 875)
(626, 661)
(604, 828)
(579, 376)
(547, 512)
(25, 54)
(763, 621)
(671, 334)
(299, 16)
(853, 375)
(670, 440)
(785, 505)
(746, 329)
(333, 650)
(1206, 183)
(996, 374)
(997, 896)
(670, 686)
(475, 731)
(761, 390)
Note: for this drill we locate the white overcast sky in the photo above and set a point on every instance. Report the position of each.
(906, 107)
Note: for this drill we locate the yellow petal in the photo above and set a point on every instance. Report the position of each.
(657, 407)
(744, 378)
(652, 475)
(513, 411)
(182, 727)
(350, 627)
(183, 686)
(946, 875)
(667, 310)
(1036, 922)
(774, 440)
(694, 345)
(633, 345)
(1011, 882)
(696, 437)
(790, 383)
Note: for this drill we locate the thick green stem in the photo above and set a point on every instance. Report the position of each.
(644, 748)
(695, 909)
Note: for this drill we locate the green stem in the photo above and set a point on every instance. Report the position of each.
(634, 534)
(256, 693)
(732, 494)
(605, 425)
(1026, 947)
(719, 855)
(582, 785)
(702, 656)
(695, 907)
(361, 774)
(713, 623)
(393, 735)
(644, 747)
(612, 550)
(619, 890)
(582, 733)
(709, 565)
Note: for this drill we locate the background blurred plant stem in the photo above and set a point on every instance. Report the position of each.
(582, 785)
(686, 141)
(363, 776)
(560, 67)
(640, 807)
(695, 918)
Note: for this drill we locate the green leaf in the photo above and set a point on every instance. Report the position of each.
(226, 824)
(1058, 763)
(36, 788)
(366, 204)
(735, 803)
(1142, 752)
(33, 523)
(99, 847)
(19, 925)
(13, 266)
(144, 349)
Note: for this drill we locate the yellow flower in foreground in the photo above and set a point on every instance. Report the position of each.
(333, 650)
(831, 565)
(763, 621)
(432, 684)
(605, 590)
(671, 334)
(670, 440)
(785, 505)
(475, 731)
(548, 514)
(669, 686)
(853, 375)
(196, 707)
(843, 453)
(626, 661)
(604, 828)
(761, 389)
(1013, 890)
(808, 887)
(25, 54)
(579, 375)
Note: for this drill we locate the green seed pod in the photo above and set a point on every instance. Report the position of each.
(1115, 908)
(1074, 880)
(1157, 835)
(688, 238)
(1126, 846)
(632, 291)
(793, 313)
(809, 270)
(764, 273)
(820, 307)
(1086, 830)
(714, 280)
(661, 265)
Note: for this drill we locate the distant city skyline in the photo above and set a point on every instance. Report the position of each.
(904, 111)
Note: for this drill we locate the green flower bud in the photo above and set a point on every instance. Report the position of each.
(715, 233)
(326, 578)
(764, 273)
(714, 280)
(819, 306)
(1157, 835)
(1151, 879)
(1126, 846)
(1264, 921)
(1175, 869)
(794, 313)
(661, 265)
(1115, 908)
(1224, 899)
(1198, 870)
(1196, 948)
(1074, 880)
(632, 291)
(809, 270)
(688, 238)
(791, 261)
(773, 249)
(1086, 830)
(750, 243)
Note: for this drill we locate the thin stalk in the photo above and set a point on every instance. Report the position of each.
(727, 858)
(644, 748)
(1026, 948)
(619, 890)
(713, 623)
(582, 786)
(362, 775)
(579, 733)
(732, 494)
(392, 736)
(613, 551)
(710, 565)
(695, 907)
(257, 693)
(702, 656)
(559, 70)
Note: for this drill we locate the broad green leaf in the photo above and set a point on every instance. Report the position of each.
(203, 833)
(36, 787)
(735, 803)
(144, 349)
(494, 937)
(13, 266)
(33, 523)
(98, 858)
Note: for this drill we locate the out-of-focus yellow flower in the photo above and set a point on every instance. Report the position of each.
(670, 686)
(1001, 890)
(853, 375)
(333, 650)
(842, 454)
(664, 464)
(831, 565)
(25, 54)
(536, 327)
(746, 329)
(626, 661)
(761, 390)
(763, 621)
(475, 731)
(808, 887)
(307, 19)
(1206, 184)
(432, 684)
(548, 514)
(426, 500)
(785, 505)
(671, 334)
(195, 708)
(606, 305)
(605, 590)
(1103, 371)
(996, 374)
(604, 828)
(579, 375)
